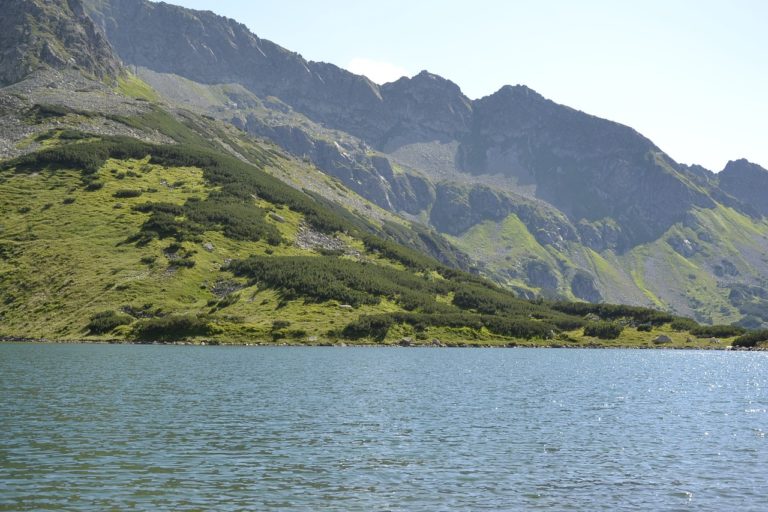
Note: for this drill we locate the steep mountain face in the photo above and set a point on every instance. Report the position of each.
(211, 49)
(747, 182)
(58, 34)
(589, 168)
(548, 199)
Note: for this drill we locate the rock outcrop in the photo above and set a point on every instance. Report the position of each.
(55, 33)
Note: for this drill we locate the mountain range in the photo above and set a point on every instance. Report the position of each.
(540, 198)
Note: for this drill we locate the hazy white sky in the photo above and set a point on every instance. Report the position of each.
(691, 75)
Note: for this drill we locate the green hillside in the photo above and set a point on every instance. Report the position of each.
(107, 237)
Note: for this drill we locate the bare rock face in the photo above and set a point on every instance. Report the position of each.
(53, 33)
(583, 287)
(426, 107)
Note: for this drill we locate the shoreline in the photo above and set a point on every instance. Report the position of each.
(214, 343)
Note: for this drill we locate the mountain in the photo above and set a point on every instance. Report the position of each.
(540, 198)
(547, 199)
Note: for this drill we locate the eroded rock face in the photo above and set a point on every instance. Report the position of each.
(587, 167)
(583, 286)
(540, 275)
(57, 33)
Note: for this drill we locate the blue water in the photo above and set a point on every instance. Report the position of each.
(86, 427)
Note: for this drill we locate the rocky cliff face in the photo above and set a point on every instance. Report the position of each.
(54, 33)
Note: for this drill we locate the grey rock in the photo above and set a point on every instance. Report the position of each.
(583, 286)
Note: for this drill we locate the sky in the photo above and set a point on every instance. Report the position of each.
(691, 75)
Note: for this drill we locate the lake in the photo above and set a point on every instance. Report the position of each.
(129, 427)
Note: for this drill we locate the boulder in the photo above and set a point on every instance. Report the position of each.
(662, 338)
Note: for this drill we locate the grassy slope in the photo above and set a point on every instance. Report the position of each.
(64, 262)
(66, 257)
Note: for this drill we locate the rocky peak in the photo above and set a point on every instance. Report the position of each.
(425, 107)
(51, 33)
(743, 168)
(747, 182)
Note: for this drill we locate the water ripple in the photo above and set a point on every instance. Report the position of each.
(188, 428)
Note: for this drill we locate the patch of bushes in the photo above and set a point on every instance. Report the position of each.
(323, 278)
(603, 330)
(683, 324)
(42, 111)
(377, 326)
(106, 321)
(637, 315)
(126, 193)
(171, 328)
(280, 324)
(226, 301)
(717, 331)
(751, 339)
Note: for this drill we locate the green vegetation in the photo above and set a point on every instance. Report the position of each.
(635, 314)
(107, 321)
(604, 330)
(684, 324)
(133, 86)
(160, 120)
(752, 339)
(717, 331)
(171, 328)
